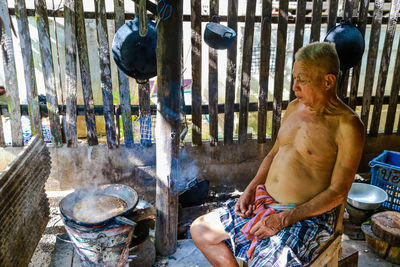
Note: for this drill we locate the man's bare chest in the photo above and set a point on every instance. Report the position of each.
(313, 139)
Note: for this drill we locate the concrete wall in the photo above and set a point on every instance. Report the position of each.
(231, 166)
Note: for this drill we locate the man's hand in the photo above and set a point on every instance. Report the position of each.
(244, 207)
(268, 226)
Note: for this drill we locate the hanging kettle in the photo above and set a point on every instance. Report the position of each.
(218, 36)
(349, 44)
(136, 55)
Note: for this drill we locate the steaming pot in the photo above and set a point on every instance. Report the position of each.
(123, 192)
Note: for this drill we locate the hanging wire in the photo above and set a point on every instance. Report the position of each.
(164, 11)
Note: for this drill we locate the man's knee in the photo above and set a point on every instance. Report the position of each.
(208, 229)
(198, 230)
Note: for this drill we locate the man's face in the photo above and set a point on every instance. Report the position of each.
(307, 83)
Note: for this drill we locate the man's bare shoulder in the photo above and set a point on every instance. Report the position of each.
(292, 105)
(350, 124)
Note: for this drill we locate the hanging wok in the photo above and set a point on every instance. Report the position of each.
(118, 191)
(349, 44)
(136, 55)
(218, 36)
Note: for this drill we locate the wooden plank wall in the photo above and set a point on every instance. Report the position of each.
(314, 14)
(24, 207)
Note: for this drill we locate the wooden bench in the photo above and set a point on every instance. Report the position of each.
(330, 249)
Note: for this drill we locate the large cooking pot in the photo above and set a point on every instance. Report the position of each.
(123, 192)
(218, 36)
(136, 55)
(349, 44)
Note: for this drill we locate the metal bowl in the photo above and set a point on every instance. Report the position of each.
(366, 196)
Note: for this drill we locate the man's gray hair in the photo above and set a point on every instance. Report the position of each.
(322, 55)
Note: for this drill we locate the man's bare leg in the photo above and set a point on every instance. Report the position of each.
(208, 234)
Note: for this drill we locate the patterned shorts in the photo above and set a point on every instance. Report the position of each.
(295, 245)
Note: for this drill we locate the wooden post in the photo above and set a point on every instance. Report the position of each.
(85, 74)
(332, 14)
(30, 80)
(70, 72)
(124, 94)
(105, 75)
(394, 95)
(371, 62)
(2, 143)
(230, 75)
(48, 70)
(169, 53)
(144, 106)
(343, 79)
(264, 70)
(246, 70)
(213, 83)
(355, 77)
(298, 36)
(196, 71)
(279, 67)
(316, 20)
(10, 76)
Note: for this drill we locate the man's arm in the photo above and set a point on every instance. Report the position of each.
(350, 142)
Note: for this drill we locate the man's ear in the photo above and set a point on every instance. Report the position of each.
(330, 80)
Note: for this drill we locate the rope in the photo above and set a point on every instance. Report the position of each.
(142, 18)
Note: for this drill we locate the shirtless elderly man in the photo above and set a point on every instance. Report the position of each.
(286, 210)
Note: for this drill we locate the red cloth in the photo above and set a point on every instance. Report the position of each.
(262, 210)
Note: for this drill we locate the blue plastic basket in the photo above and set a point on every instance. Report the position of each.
(385, 170)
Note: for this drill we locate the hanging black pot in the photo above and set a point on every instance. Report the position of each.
(349, 44)
(133, 54)
(218, 36)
